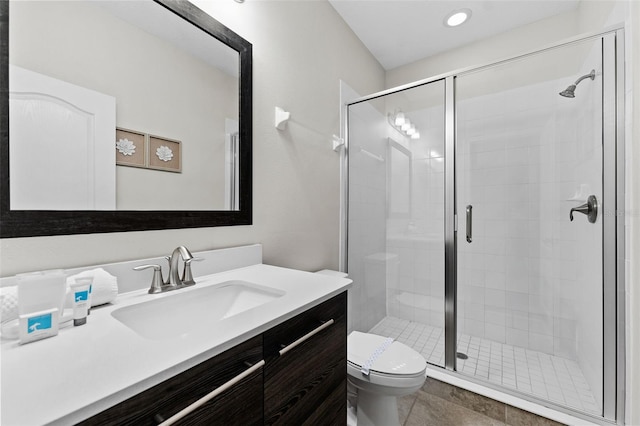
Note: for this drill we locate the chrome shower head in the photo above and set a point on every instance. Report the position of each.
(569, 92)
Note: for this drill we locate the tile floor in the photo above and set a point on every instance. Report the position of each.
(559, 380)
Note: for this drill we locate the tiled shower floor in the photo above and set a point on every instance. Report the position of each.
(545, 376)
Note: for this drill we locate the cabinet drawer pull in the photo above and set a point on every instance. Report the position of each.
(217, 391)
(305, 337)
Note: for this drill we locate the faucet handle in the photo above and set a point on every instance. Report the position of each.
(156, 282)
(187, 276)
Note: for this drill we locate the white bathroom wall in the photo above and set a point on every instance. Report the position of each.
(300, 51)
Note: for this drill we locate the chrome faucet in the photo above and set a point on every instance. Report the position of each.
(174, 280)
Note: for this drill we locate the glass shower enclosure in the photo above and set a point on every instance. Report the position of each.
(481, 223)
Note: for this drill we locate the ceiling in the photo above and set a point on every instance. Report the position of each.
(398, 32)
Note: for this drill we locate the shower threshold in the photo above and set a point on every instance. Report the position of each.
(545, 376)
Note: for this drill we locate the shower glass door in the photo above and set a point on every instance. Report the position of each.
(396, 217)
(488, 236)
(530, 277)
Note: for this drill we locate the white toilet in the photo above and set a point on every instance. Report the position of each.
(394, 370)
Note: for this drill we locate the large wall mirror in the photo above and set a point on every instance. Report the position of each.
(121, 116)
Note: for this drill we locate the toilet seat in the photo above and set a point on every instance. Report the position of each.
(398, 366)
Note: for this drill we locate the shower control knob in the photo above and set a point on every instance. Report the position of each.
(590, 209)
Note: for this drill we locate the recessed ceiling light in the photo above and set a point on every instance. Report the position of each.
(457, 17)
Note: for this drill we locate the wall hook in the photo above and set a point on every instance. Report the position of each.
(282, 117)
(338, 143)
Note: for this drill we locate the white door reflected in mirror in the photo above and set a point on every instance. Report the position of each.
(61, 151)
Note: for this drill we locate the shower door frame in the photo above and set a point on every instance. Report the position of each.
(613, 162)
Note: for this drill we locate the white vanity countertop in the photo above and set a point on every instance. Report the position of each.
(86, 369)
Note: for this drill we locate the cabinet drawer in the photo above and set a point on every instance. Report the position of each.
(307, 383)
(241, 404)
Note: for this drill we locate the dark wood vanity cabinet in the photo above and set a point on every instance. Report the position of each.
(305, 374)
(302, 381)
(241, 404)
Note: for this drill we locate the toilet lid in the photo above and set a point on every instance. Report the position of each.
(397, 358)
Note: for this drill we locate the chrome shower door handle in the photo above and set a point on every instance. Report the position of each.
(590, 209)
(469, 223)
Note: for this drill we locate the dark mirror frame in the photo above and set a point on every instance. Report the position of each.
(31, 223)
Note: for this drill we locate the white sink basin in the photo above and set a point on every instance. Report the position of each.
(196, 309)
